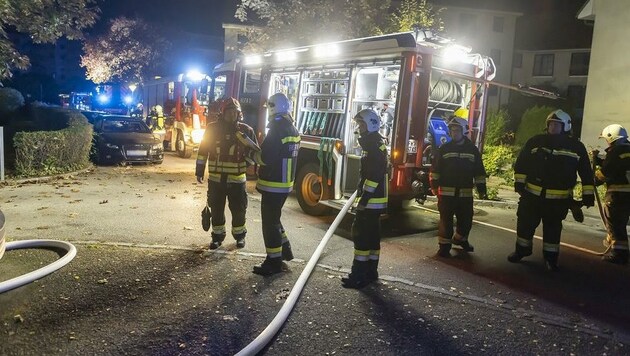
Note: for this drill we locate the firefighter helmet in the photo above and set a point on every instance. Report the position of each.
(458, 121)
(278, 104)
(561, 117)
(614, 132)
(231, 103)
(370, 118)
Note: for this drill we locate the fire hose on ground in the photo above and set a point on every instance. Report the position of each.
(30, 277)
(272, 329)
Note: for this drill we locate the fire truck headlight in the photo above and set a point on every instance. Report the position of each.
(197, 135)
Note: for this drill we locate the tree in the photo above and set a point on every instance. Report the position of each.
(45, 21)
(413, 13)
(129, 51)
(291, 23)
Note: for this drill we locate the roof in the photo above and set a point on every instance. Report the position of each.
(514, 6)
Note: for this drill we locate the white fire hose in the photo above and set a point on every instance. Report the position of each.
(272, 329)
(30, 277)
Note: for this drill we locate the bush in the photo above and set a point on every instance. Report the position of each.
(499, 161)
(532, 123)
(40, 153)
(497, 128)
(10, 101)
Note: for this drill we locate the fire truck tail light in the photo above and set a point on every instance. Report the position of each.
(399, 178)
(395, 154)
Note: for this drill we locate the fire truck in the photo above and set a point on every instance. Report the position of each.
(414, 80)
(185, 100)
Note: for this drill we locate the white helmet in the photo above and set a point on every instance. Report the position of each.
(278, 104)
(371, 118)
(614, 132)
(458, 121)
(561, 117)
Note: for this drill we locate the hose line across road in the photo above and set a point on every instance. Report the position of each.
(272, 329)
(30, 277)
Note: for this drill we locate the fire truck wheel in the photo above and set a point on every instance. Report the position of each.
(310, 190)
(183, 150)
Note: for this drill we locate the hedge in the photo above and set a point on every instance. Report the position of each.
(41, 153)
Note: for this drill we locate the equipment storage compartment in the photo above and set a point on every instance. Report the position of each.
(324, 99)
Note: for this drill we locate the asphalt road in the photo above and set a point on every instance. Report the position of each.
(470, 303)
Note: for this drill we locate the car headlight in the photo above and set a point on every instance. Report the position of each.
(156, 147)
(112, 146)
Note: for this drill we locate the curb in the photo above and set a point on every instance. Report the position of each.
(8, 182)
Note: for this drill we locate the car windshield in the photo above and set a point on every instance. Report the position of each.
(125, 126)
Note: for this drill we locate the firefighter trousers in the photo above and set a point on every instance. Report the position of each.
(616, 215)
(460, 208)
(366, 235)
(237, 203)
(531, 211)
(273, 232)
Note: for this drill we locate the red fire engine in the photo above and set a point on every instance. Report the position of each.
(413, 83)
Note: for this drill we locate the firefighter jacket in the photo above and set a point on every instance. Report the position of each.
(225, 149)
(546, 167)
(456, 168)
(373, 185)
(278, 156)
(615, 171)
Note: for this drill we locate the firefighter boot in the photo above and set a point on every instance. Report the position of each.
(270, 266)
(287, 253)
(464, 244)
(445, 250)
(616, 257)
(372, 271)
(215, 245)
(217, 240)
(518, 254)
(240, 240)
(551, 261)
(357, 278)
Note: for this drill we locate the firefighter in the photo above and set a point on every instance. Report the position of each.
(371, 202)
(615, 172)
(456, 168)
(544, 177)
(226, 144)
(278, 162)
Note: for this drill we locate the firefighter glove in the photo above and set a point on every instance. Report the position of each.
(588, 200)
(519, 187)
(483, 191)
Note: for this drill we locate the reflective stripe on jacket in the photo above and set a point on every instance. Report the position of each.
(373, 186)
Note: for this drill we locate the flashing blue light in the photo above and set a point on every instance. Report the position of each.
(128, 99)
(103, 99)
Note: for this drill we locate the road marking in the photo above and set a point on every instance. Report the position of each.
(514, 231)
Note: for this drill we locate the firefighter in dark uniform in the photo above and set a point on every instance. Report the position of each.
(544, 176)
(276, 174)
(226, 144)
(371, 202)
(615, 172)
(456, 168)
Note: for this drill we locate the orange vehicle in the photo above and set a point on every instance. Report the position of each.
(184, 99)
(414, 82)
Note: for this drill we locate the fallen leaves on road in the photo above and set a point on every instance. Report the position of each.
(104, 202)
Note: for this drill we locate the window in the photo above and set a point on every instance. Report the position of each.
(543, 65)
(495, 54)
(518, 60)
(576, 95)
(497, 24)
(579, 63)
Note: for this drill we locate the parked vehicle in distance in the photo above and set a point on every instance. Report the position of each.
(91, 116)
(124, 139)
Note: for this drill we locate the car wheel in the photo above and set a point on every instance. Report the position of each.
(183, 150)
(310, 190)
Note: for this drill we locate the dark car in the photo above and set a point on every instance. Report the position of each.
(124, 139)
(91, 116)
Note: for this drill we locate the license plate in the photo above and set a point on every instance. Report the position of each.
(136, 153)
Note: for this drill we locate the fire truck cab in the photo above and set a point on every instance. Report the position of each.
(414, 82)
